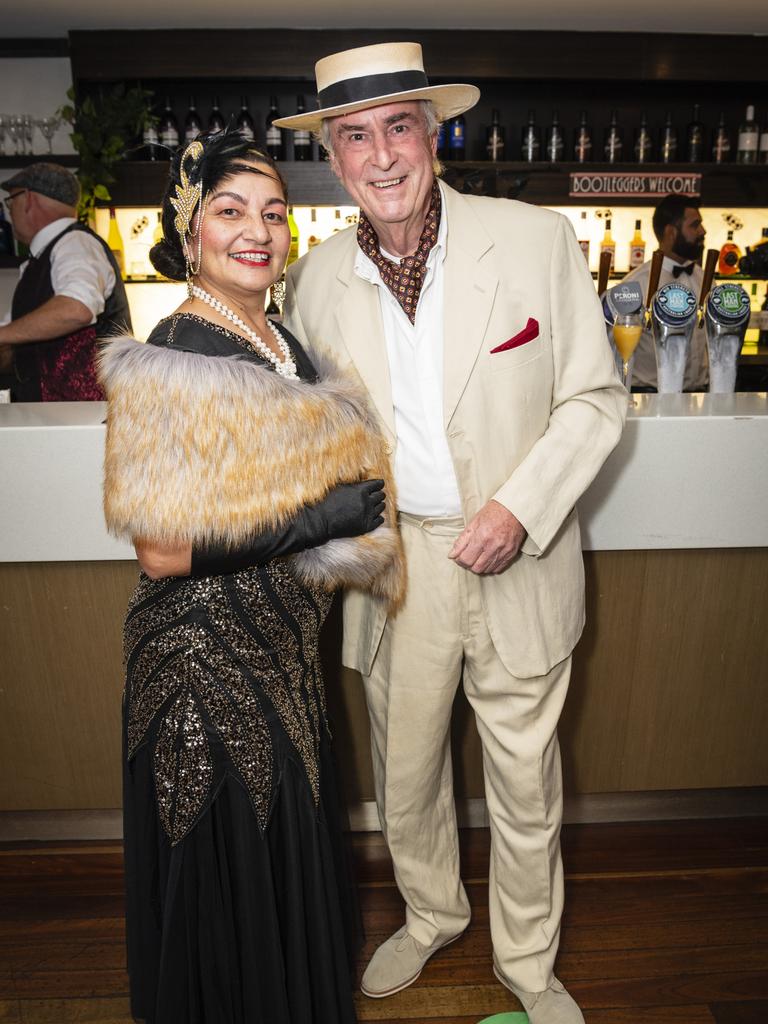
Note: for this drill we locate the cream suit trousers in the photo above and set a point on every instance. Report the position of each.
(439, 636)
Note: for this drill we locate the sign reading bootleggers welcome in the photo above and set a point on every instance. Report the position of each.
(635, 185)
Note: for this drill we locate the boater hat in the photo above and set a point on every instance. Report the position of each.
(369, 76)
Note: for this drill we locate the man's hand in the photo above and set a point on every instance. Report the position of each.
(490, 541)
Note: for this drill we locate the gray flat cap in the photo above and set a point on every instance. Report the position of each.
(50, 180)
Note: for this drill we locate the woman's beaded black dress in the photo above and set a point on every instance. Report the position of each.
(238, 906)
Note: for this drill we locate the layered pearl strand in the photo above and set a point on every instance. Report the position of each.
(286, 366)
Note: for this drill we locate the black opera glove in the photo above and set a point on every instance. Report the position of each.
(349, 510)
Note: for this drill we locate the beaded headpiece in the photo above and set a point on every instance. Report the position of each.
(187, 200)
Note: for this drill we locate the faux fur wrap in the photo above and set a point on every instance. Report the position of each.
(204, 449)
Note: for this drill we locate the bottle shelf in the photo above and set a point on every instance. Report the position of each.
(313, 183)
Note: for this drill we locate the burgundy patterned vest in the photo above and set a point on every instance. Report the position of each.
(63, 369)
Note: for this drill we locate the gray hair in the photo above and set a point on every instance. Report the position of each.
(431, 124)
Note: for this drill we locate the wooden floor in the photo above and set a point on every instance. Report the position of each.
(665, 924)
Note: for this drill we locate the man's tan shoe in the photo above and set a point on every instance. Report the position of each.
(552, 1006)
(397, 963)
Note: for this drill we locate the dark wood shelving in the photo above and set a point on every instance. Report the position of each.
(314, 183)
(24, 160)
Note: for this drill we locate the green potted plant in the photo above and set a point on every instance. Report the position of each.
(104, 126)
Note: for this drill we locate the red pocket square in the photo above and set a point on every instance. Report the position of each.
(528, 333)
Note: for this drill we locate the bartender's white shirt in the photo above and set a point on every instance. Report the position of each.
(424, 473)
(696, 377)
(79, 267)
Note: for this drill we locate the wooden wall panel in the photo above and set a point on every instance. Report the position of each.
(668, 688)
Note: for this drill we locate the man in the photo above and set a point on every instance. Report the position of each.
(475, 326)
(69, 293)
(678, 227)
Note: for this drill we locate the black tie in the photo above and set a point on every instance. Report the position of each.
(685, 268)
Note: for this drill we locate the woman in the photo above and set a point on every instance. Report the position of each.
(243, 479)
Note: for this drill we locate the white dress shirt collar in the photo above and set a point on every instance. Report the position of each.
(47, 234)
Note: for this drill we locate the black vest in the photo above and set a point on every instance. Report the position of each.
(35, 288)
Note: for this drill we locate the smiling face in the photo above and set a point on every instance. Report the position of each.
(384, 158)
(245, 234)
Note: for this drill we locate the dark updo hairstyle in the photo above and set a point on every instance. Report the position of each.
(224, 154)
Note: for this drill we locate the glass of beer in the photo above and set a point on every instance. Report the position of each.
(627, 328)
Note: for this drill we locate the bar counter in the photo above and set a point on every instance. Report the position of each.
(669, 678)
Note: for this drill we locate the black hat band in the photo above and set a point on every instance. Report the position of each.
(369, 87)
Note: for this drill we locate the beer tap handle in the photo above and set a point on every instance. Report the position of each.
(604, 271)
(706, 283)
(653, 282)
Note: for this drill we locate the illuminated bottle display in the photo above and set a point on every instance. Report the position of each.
(730, 254)
(637, 247)
(608, 244)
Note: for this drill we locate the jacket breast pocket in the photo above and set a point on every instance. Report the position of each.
(512, 358)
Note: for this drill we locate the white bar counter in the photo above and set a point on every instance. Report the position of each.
(690, 471)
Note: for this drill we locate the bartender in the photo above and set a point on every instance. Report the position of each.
(678, 227)
(69, 293)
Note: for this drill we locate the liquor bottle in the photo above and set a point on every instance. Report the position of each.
(168, 128)
(637, 248)
(456, 138)
(763, 337)
(149, 149)
(614, 140)
(762, 153)
(302, 140)
(293, 251)
(531, 146)
(721, 143)
(668, 144)
(494, 138)
(584, 233)
(442, 141)
(608, 244)
(275, 146)
(582, 140)
(746, 147)
(643, 141)
(115, 242)
(192, 123)
(730, 254)
(216, 120)
(694, 138)
(555, 144)
(245, 121)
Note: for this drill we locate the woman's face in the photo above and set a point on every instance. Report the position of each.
(245, 234)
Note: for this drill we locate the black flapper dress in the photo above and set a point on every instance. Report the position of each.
(239, 909)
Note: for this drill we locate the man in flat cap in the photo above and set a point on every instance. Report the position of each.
(69, 293)
(475, 325)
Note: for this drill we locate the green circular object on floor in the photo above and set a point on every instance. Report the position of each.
(506, 1018)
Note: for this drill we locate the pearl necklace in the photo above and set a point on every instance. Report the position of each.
(286, 366)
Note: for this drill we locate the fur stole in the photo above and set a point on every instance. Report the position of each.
(204, 449)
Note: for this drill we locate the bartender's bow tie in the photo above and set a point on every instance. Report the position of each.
(685, 268)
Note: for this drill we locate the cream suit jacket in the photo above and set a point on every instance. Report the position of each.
(530, 426)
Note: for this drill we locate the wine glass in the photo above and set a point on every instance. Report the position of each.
(627, 329)
(28, 129)
(16, 133)
(4, 121)
(48, 127)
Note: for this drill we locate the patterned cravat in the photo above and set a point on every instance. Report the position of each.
(404, 279)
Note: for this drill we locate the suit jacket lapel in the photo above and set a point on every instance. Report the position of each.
(470, 290)
(359, 318)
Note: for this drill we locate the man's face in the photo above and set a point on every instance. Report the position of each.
(689, 235)
(383, 157)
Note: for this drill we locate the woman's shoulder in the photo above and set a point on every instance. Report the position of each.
(187, 332)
